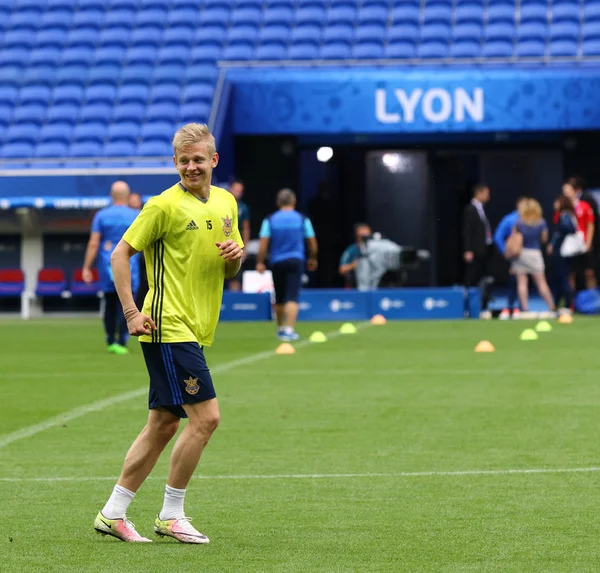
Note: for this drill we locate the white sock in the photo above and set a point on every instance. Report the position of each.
(118, 502)
(288, 329)
(173, 505)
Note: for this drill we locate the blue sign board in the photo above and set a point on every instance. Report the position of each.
(419, 303)
(245, 306)
(334, 304)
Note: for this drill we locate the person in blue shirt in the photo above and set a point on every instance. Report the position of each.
(350, 257)
(108, 227)
(284, 234)
(503, 231)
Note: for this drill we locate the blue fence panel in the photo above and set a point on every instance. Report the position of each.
(334, 304)
(419, 303)
(245, 306)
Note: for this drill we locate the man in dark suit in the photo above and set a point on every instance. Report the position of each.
(477, 237)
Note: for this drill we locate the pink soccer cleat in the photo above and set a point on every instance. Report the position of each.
(180, 529)
(122, 529)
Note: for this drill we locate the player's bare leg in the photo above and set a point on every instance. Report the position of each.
(203, 421)
(290, 312)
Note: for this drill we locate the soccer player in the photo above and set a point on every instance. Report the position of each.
(237, 190)
(108, 227)
(191, 243)
(285, 233)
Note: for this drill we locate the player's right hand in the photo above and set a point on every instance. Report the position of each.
(141, 324)
(87, 276)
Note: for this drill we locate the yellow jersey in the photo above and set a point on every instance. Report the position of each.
(177, 232)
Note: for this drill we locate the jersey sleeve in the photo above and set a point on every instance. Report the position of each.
(348, 256)
(309, 232)
(265, 229)
(97, 223)
(149, 226)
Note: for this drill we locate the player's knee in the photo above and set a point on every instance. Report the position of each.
(207, 424)
(165, 429)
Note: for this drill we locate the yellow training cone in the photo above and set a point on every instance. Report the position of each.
(565, 319)
(529, 334)
(347, 328)
(317, 336)
(543, 326)
(378, 319)
(485, 346)
(285, 348)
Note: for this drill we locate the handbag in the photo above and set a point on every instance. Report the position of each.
(513, 245)
(573, 244)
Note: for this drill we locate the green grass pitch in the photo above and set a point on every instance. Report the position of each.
(349, 456)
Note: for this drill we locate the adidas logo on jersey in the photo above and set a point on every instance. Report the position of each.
(192, 226)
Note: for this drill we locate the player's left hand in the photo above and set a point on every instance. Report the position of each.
(229, 250)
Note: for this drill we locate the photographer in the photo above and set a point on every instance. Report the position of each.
(350, 257)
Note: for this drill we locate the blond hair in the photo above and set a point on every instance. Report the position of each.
(530, 211)
(192, 134)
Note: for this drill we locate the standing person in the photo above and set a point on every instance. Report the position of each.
(285, 232)
(503, 231)
(135, 201)
(477, 238)
(352, 254)
(530, 261)
(190, 239)
(108, 227)
(566, 225)
(237, 190)
(583, 271)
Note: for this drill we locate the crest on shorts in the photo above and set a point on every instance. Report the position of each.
(192, 386)
(227, 221)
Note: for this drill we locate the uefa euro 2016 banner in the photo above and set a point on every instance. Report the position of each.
(414, 101)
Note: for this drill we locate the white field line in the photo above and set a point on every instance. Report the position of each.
(458, 473)
(100, 405)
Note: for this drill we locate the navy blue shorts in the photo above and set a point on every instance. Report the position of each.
(178, 375)
(287, 279)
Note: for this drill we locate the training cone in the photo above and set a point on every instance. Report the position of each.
(378, 319)
(543, 326)
(347, 328)
(485, 346)
(529, 334)
(565, 319)
(317, 336)
(285, 348)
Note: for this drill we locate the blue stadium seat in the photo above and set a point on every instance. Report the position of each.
(11, 150)
(162, 112)
(77, 57)
(321, 3)
(119, 149)
(99, 113)
(171, 74)
(129, 112)
(60, 4)
(125, 131)
(173, 56)
(210, 35)
(6, 113)
(531, 49)
(63, 113)
(206, 54)
(144, 55)
(18, 40)
(367, 50)
(590, 47)
(196, 112)
(153, 17)
(52, 149)
(56, 18)
(501, 14)
(56, 133)
(303, 51)
(306, 34)
(166, 93)
(115, 37)
(465, 49)
(242, 34)
(91, 4)
(89, 19)
(283, 16)
(69, 94)
(532, 31)
(90, 131)
(84, 37)
(564, 31)
(121, 17)
(501, 31)
(157, 131)
(310, 16)
(246, 16)
(591, 31)
(148, 36)
(400, 50)
(85, 149)
(33, 113)
(236, 52)
(534, 13)
(467, 32)
(50, 38)
(114, 56)
(104, 74)
(198, 92)
(105, 94)
(154, 4)
(373, 15)
(498, 49)
(562, 48)
(34, 94)
(435, 32)
(437, 14)
(403, 33)
(183, 17)
(8, 95)
(39, 74)
(215, 17)
(272, 51)
(133, 93)
(568, 13)
(211, 4)
(45, 57)
(338, 34)
(201, 73)
(336, 51)
(26, 20)
(342, 15)
(27, 133)
(433, 50)
(179, 36)
(370, 33)
(372, 3)
(274, 34)
(71, 75)
(137, 73)
(405, 14)
(154, 149)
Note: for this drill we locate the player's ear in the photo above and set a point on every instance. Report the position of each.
(215, 160)
(175, 160)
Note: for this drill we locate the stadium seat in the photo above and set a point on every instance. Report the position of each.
(274, 34)
(116, 37)
(50, 38)
(17, 150)
(591, 31)
(433, 50)
(242, 34)
(27, 133)
(50, 283)
(48, 56)
(272, 51)
(173, 56)
(306, 34)
(90, 131)
(563, 48)
(84, 37)
(129, 112)
(368, 50)
(151, 4)
(303, 51)
(70, 75)
(373, 15)
(51, 150)
(341, 15)
(12, 282)
(501, 13)
(498, 49)
(400, 50)
(79, 56)
(162, 112)
(282, 16)
(178, 37)
(56, 18)
(121, 17)
(467, 32)
(564, 31)
(404, 15)
(187, 17)
(237, 52)
(591, 47)
(89, 18)
(8, 95)
(531, 49)
(34, 113)
(39, 75)
(534, 13)
(310, 16)
(166, 93)
(214, 17)
(247, 16)
(157, 131)
(146, 37)
(137, 74)
(144, 55)
(90, 5)
(85, 149)
(469, 13)
(154, 149)
(210, 35)
(206, 54)
(438, 14)
(79, 287)
(201, 73)
(403, 33)
(152, 17)
(591, 11)
(133, 93)
(567, 13)
(338, 34)
(104, 74)
(370, 33)
(465, 49)
(500, 32)
(34, 94)
(435, 33)
(532, 31)
(194, 112)
(112, 56)
(14, 57)
(95, 113)
(119, 149)
(200, 92)
(6, 113)
(18, 39)
(125, 131)
(56, 133)
(172, 74)
(64, 113)
(335, 51)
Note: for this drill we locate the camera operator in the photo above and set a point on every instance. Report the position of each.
(352, 254)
